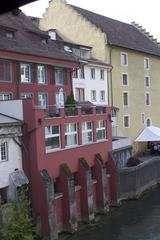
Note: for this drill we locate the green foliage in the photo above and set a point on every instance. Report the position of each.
(66, 169)
(16, 221)
(84, 163)
(70, 100)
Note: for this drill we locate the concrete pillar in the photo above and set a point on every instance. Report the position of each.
(86, 182)
(67, 187)
(52, 219)
(100, 173)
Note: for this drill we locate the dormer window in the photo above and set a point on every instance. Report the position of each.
(9, 34)
(44, 41)
(85, 53)
(52, 35)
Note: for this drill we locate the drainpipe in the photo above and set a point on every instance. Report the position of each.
(111, 85)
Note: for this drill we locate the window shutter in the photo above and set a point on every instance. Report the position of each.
(7, 71)
(34, 73)
(65, 75)
(52, 71)
(17, 72)
(1, 71)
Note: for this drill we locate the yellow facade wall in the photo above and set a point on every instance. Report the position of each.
(74, 27)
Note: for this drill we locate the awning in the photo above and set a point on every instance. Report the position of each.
(149, 134)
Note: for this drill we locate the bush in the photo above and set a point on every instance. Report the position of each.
(16, 221)
(133, 161)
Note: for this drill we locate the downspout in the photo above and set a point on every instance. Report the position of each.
(110, 62)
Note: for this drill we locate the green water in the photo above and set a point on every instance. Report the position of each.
(134, 220)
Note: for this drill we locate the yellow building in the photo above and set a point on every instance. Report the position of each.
(134, 55)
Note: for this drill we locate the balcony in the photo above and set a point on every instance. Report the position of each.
(72, 111)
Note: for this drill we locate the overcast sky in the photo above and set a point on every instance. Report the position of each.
(146, 13)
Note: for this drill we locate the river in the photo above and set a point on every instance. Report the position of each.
(134, 220)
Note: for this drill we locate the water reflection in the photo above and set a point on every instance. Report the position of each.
(134, 220)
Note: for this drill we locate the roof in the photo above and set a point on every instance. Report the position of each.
(149, 134)
(28, 38)
(10, 5)
(8, 120)
(121, 34)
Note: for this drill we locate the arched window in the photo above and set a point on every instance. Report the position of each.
(148, 122)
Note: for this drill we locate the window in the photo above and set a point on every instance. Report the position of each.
(75, 73)
(100, 130)
(93, 95)
(92, 73)
(147, 99)
(52, 137)
(87, 132)
(59, 76)
(3, 195)
(70, 134)
(148, 122)
(85, 53)
(147, 81)
(41, 74)
(9, 34)
(124, 59)
(125, 79)
(142, 118)
(125, 98)
(25, 72)
(126, 121)
(3, 151)
(146, 63)
(60, 99)
(26, 95)
(102, 96)
(80, 94)
(5, 71)
(102, 74)
(4, 96)
(42, 99)
(81, 73)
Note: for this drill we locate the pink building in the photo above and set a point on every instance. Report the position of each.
(66, 151)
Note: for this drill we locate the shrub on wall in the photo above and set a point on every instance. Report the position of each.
(133, 161)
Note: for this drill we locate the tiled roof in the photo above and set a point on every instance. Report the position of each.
(121, 34)
(28, 38)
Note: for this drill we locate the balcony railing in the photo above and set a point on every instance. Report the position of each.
(72, 110)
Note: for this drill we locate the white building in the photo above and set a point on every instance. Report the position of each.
(10, 147)
(90, 81)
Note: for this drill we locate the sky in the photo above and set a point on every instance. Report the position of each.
(145, 13)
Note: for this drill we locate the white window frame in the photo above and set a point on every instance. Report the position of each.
(86, 131)
(41, 101)
(147, 94)
(4, 151)
(148, 118)
(102, 74)
(24, 77)
(127, 79)
(121, 59)
(146, 63)
(128, 116)
(102, 99)
(41, 74)
(92, 73)
(81, 72)
(25, 95)
(123, 94)
(100, 128)
(143, 118)
(59, 76)
(71, 133)
(93, 98)
(4, 94)
(149, 81)
(49, 134)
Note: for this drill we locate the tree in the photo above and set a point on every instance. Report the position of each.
(16, 220)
